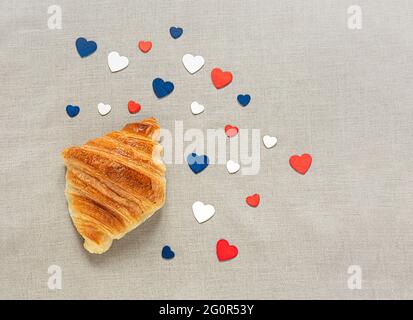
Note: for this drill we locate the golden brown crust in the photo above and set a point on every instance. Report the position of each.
(114, 183)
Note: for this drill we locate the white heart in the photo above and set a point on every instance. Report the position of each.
(104, 109)
(202, 212)
(232, 166)
(193, 64)
(269, 141)
(197, 108)
(117, 62)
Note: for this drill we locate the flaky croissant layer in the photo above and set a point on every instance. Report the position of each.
(115, 182)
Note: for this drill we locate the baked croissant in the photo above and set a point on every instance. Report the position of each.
(114, 183)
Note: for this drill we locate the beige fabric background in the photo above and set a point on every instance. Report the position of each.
(344, 96)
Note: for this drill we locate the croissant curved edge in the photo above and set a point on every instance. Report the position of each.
(115, 182)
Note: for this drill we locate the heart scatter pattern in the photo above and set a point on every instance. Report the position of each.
(197, 163)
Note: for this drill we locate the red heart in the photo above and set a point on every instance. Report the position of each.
(220, 78)
(302, 163)
(133, 107)
(231, 131)
(225, 251)
(145, 46)
(253, 200)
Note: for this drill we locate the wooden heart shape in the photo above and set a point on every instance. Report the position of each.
(302, 163)
(220, 78)
(197, 108)
(117, 62)
(134, 107)
(104, 109)
(202, 212)
(145, 46)
(225, 251)
(254, 200)
(193, 63)
(231, 131)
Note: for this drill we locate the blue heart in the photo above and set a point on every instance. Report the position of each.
(167, 253)
(197, 163)
(244, 99)
(85, 48)
(162, 88)
(176, 32)
(72, 111)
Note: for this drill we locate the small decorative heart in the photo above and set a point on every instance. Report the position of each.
(244, 99)
(162, 88)
(193, 63)
(197, 108)
(197, 163)
(269, 141)
(202, 212)
(176, 32)
(225, 251)
(302, 163)
(85, 48)
(231, 131)
(253, 200)
(232, 166)
(104, 109)
(117, 62)
(72, 111)
(220, 79)
(133, 107)
(167, 253)
(145, 46)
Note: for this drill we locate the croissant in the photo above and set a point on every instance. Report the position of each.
(115, 182)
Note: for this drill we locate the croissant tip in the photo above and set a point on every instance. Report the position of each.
(97, 249)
